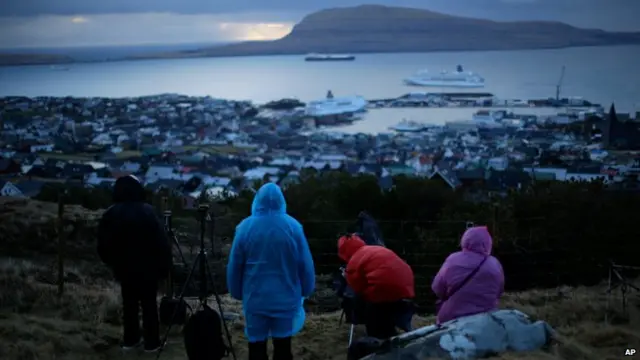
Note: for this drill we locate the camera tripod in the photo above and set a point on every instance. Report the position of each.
(202, 264)
(173, 242)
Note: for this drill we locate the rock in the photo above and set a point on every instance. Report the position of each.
(471, 337)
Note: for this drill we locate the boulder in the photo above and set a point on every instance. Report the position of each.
(470, 337)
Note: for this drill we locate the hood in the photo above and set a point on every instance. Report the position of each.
(369, 230)
(477, 239)
(348, 245)
(269, 199)
(128, 189)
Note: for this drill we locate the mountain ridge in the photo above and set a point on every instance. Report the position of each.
(388, 29)
(377, 28)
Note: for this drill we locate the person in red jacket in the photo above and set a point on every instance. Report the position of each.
(381, 280)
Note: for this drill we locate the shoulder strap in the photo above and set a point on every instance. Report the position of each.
(466, 280)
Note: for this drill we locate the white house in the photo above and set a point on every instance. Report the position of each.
(8, 189)
(42, 148)
(559, 174)
(498, 163)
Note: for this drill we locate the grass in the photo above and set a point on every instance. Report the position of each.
(128, 154)
(85, 322)
(67, 157)
(214, 149)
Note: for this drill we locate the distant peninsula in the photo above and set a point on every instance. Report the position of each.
(14, 59)
(385, 29)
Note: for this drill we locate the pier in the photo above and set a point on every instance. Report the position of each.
(473, 100)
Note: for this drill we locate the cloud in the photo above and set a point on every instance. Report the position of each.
(37, 23)
(79, 20)
(72, 7)
(255, 31)
(133, 29)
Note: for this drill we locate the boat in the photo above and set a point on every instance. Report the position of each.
(59, 68)
(329, 57)
(408, 126)
(331, 106)
(458, 78)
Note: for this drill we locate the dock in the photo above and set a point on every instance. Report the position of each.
(473, 100)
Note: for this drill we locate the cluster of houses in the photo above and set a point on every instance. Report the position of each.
(225, 176)
(215, 147)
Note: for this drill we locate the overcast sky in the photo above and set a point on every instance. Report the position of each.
(61, 23)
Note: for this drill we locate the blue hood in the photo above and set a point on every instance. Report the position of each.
(268, 200)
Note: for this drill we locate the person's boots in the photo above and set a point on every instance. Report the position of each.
(282, 349)
(258, 351)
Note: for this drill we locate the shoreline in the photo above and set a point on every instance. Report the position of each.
(191, 55)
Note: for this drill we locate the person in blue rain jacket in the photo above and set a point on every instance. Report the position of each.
(271, 270)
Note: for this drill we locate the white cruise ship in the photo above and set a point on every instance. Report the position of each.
(348, 105)
(408, 126)
(458, 79)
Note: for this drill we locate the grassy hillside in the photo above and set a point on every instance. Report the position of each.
(85, 322)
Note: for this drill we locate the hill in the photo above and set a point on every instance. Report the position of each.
(84, 323)
(375, 28)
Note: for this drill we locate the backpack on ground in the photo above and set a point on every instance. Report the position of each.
(203, 338)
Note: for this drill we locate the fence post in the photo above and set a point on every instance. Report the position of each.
(61, 243)
(495, 220)
(168, 227)
(403, 239)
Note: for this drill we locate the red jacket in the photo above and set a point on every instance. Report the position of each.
(375, 272)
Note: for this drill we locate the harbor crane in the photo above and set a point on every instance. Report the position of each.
(559, 85)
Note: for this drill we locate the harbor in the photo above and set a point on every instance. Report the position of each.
(435, 100)
(357, 114)
(475, 99)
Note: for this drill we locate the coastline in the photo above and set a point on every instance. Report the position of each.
(192, 54)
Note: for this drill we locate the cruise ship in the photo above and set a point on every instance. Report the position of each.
(329, 57)
(335, 106)
(458, 79)
(408, 126)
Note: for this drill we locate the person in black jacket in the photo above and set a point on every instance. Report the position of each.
(132, 242)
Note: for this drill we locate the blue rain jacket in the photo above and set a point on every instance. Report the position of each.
(270, 266)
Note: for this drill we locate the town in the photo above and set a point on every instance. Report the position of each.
(201, 145)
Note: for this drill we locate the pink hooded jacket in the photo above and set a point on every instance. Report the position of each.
(482, 292)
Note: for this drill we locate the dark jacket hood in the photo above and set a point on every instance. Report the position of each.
(128, 189)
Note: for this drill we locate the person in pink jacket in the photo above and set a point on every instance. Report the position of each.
(470, 281)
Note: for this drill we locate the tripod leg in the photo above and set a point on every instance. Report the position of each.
(163, 343)
(219, 301)
(351, 331)
(177, 244)
(633, 287)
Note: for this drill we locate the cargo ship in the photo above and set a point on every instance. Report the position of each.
(329, 57)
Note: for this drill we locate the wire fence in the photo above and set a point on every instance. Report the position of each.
(531, 256)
